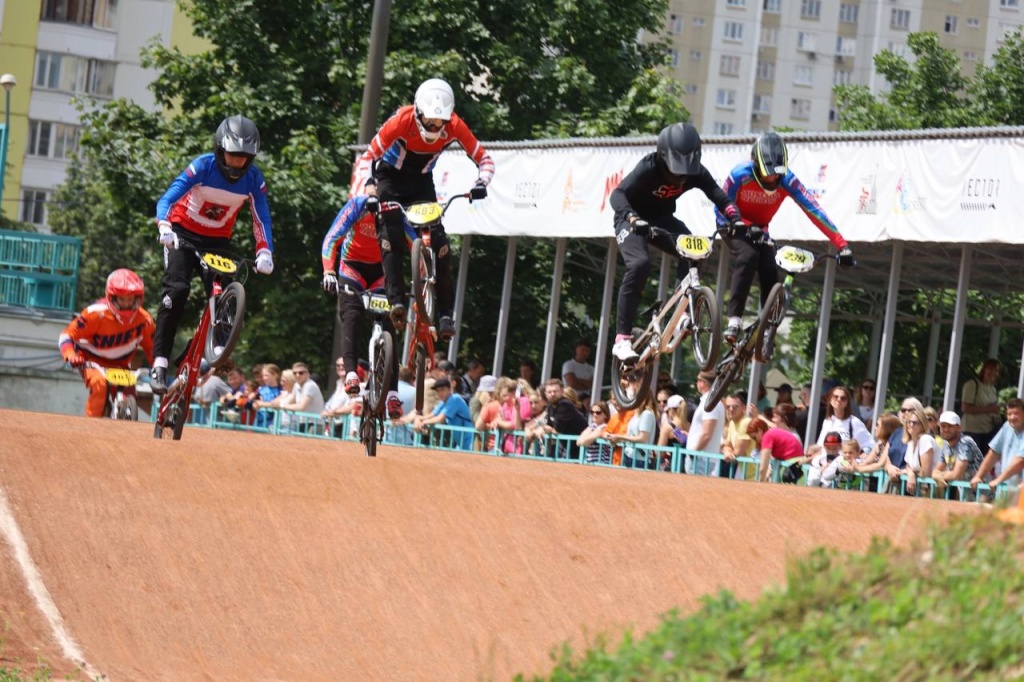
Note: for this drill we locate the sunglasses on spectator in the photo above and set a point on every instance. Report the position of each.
(906, 409)
(842, 398)
(913, 422)
(596, 412)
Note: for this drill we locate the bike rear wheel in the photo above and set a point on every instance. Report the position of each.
(368, 433)
(225, 325)
(631, 384)
(421, 375)
(707, 328)
(422, 286)
(723, 380)
(380, 378)
(772, 312)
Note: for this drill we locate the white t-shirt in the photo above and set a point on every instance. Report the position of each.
(583, 371)
(697, 426)
(316, 404)
(913, 456)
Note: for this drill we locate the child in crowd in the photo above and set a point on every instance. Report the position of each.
(825, 465)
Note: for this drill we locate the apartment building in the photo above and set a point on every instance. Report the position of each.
(749, 65)
(62, 49)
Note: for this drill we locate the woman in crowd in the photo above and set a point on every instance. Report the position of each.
(596, 452)
(640, 431)
(839, 417)
(777, 440)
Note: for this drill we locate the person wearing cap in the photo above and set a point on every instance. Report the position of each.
(1007, 447)
(577, 372)
(450, 410)
(486, 392)
(825, 465)
(735, 442)
(784, 394)
(958, 457)
(674, 424)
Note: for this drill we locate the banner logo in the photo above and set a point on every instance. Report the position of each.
(979, 194)
(867, 200)
(610, 183)
(907, 198)
(571, 203)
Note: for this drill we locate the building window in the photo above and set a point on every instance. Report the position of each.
(52, 140)
(98, 13)
(730, 65)
(33, 206)
(951, 22)
(1009, 4)
(674, 57)
(76, 75)
(735, 3)
(762, 104)
(900, 19)
(842, 77)
(695, 55)
(848, 13)
(766, 71)
(810, 9)
(675, 23)
(800, 109)
(772, 6)
(690, 88)
(722, 128)
(725, 98)
(973, 23)
(698, 21)
(733, 30)
(970, 56)
(846, 47)
(803, 74)
(808, 42)
(769, 36)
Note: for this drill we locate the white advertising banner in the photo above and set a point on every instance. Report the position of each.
(948, 190)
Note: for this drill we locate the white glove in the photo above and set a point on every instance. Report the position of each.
(264, 262)
(167, 236)
(330, 283)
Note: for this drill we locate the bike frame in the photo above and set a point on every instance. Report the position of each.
(117, 392)
(678, 304)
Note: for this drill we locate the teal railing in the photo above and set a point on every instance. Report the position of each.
(38, 270)
(557, 448)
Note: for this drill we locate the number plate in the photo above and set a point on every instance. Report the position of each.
(693, 246)
(378, 302)
(120, 377)
(794, 259)
(220, 263)
(425, 213)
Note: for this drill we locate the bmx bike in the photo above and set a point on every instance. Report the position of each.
(423, 217)
(758, 338)
(382, 350)
(219, 330)
(122, 401)
(691, 310)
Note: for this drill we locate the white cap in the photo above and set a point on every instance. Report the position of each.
(488, 383)
(674, 401)
(949, 417)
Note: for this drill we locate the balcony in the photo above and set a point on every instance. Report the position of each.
(38, 271)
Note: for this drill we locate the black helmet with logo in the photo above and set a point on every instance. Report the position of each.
(679, 150)
(236, 135)
(770, 160)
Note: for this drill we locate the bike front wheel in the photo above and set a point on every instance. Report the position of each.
(170, 422)
(422, 279)
(228, 318)
(421, 375)
(127, 409)
(772, 312)
(723, 380)
(631, 384)
(382, 353)
(707, 329)
(368, 434)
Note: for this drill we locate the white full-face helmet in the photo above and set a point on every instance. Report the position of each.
(434, 102)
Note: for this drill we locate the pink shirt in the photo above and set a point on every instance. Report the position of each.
(783, 444)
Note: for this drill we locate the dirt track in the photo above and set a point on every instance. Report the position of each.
(233, 556)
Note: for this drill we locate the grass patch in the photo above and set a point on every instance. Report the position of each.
(948, 609)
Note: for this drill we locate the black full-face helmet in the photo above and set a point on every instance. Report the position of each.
(679, 151)
(771, 160)
(236, 135)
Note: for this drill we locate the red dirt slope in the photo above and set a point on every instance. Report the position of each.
(233, 556)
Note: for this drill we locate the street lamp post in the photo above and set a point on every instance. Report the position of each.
(8, 81)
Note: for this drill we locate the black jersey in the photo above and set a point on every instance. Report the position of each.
(646, 193)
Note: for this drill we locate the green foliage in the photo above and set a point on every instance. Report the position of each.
(539, 68)
(949, 610)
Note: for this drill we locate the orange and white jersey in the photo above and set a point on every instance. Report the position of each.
(100, 336)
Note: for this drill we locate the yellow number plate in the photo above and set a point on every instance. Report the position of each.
(793, 259)
(424, 213)
(219, 263)
(379, 303)
(693, 246)
(120, 377)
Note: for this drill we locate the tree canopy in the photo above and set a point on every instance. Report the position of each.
(521, 70)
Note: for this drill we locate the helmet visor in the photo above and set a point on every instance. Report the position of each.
(680, 164)
(432, 125)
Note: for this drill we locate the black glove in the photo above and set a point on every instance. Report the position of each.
(641, 228)
(372, 205)
(845, 257)
(737, 228)
(478, 192)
